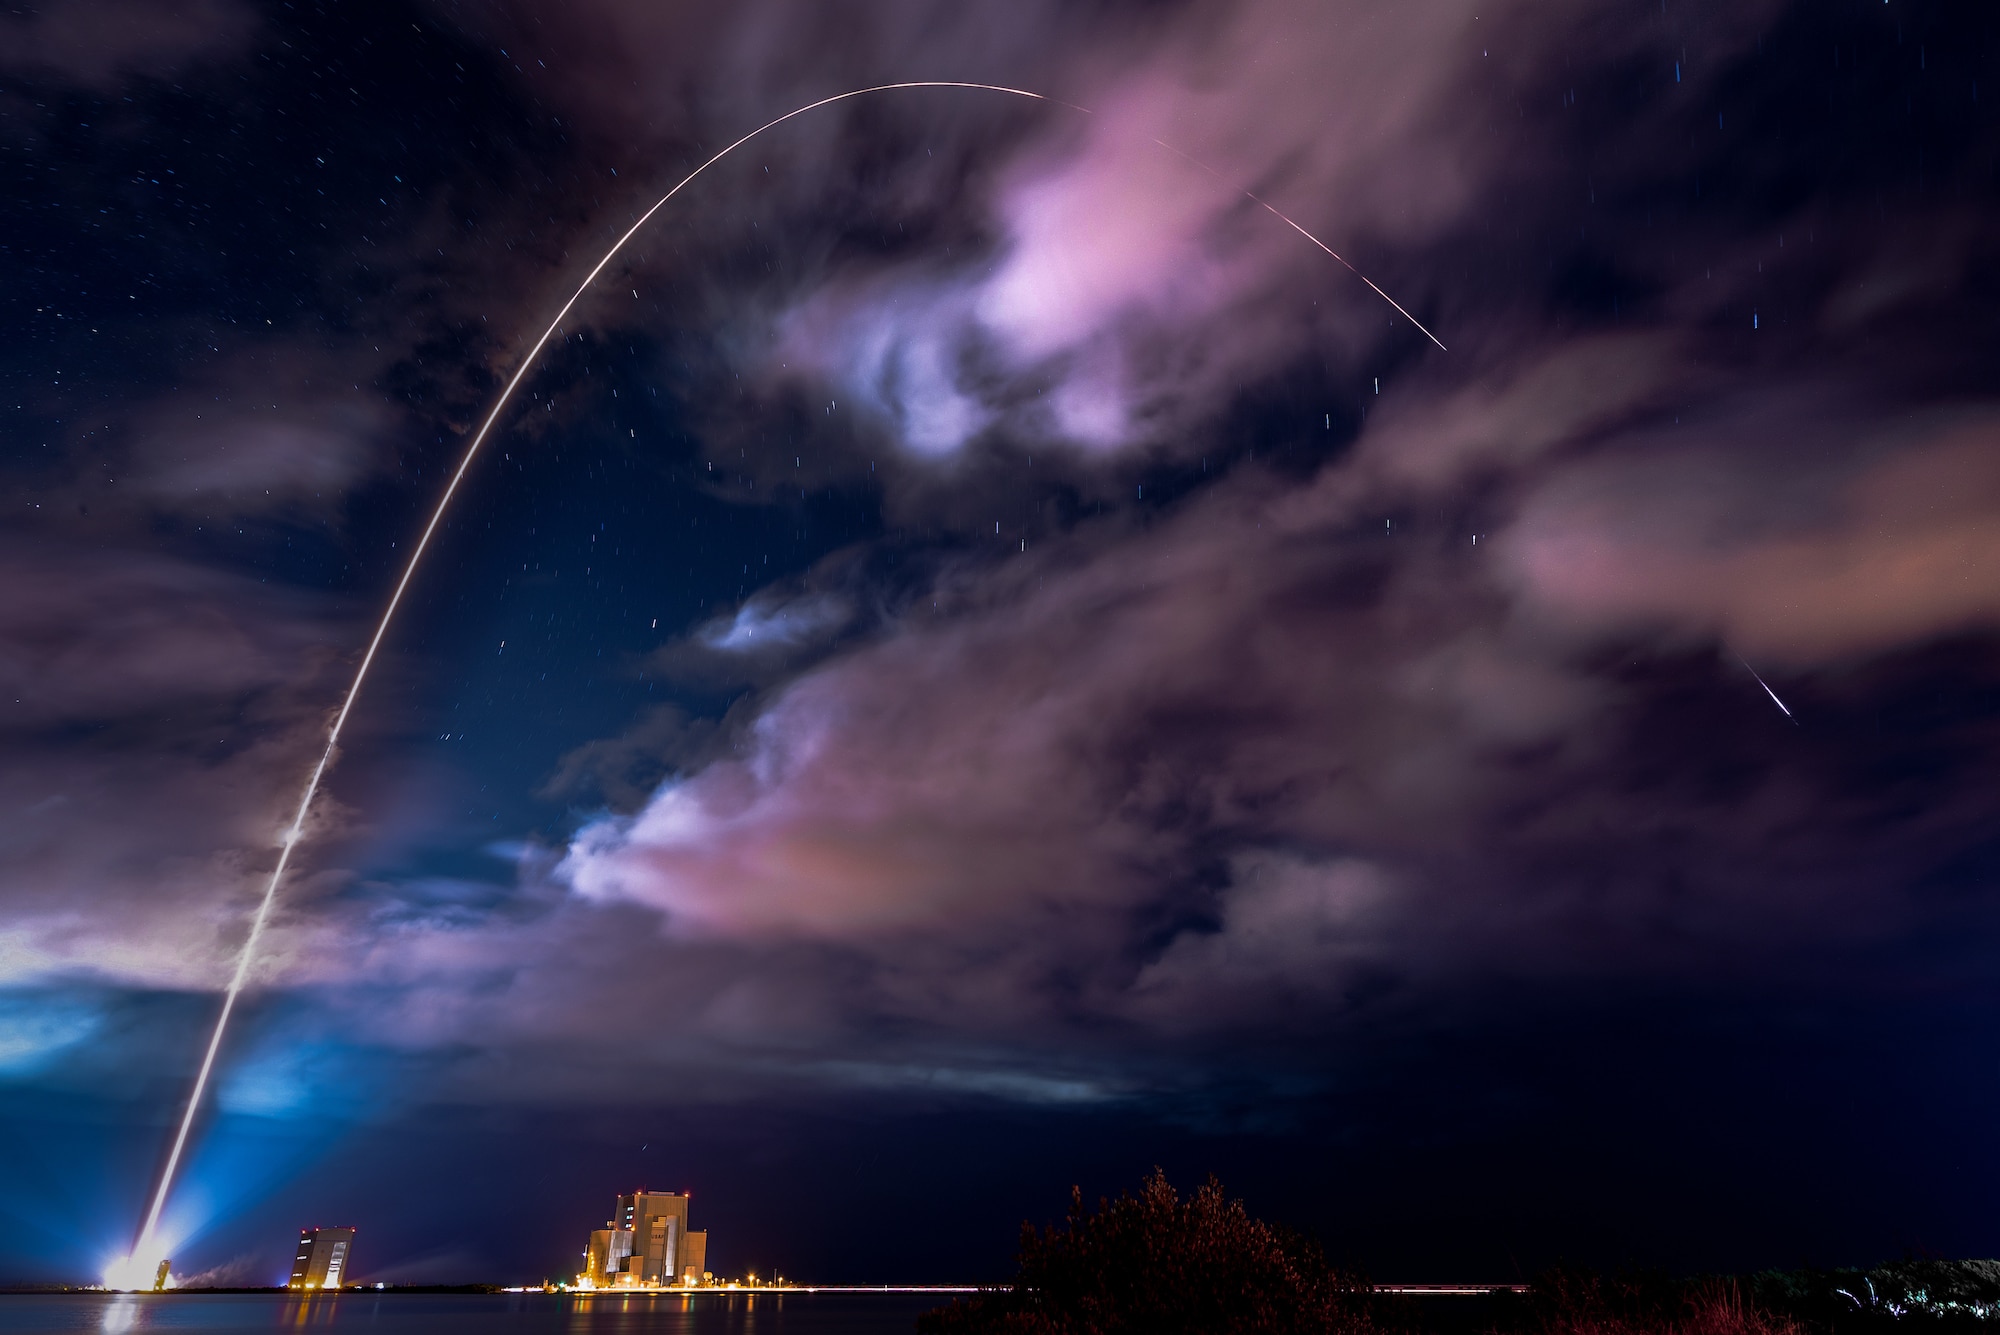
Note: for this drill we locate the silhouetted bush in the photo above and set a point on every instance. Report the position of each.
(1155, 1264)
(1580, 1302)
(1954, 1294)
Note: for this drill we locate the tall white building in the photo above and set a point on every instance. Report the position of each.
(322, 1258)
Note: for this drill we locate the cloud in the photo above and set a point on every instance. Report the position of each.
(636, 69)
(448, 1265)
(1135, 283)
(908, 357)
(768, 623)
(101, 42)
(230, 454)
(1038, 786)
(1268, 763)
(623, 771)
(133, 858)
(1800, 552)
(1290, 930)
(36, 1028)
(295, 1079)
(1098, 282)
(1360, 721)
(237, 1272)
(94, 634)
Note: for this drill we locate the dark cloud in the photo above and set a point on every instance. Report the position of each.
(149, 703)
(100, 43)
(623, 771)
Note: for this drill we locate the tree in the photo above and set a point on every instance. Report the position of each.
(1155, 1264)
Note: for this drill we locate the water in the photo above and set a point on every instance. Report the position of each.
(464, 1314)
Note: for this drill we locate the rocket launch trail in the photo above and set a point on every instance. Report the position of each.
(246, 957)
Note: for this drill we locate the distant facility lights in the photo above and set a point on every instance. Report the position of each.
(646, 1244)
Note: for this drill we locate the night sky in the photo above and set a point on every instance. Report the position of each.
(980, 660)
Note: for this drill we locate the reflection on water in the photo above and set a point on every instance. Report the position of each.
(315, 1309)
(465, 1314)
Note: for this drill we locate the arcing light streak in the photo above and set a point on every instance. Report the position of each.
(1287, 220)
(1356, 272)
(248, 953)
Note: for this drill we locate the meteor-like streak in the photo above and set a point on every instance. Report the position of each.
(1290, 222)
(1766, 685)
(247, 955)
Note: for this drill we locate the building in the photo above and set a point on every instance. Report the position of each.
(646, 1244)
(322, 1258)
(606, 1256)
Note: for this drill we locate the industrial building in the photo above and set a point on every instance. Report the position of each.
(647, 1244)
(322, 1258)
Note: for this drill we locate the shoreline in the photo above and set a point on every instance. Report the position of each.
(495, 1290)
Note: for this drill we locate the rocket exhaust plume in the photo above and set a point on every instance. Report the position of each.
(296, 831)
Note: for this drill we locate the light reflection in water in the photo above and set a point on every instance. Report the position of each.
(318, 1309)
(371, 1313)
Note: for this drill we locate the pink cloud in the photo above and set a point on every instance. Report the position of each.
(1134, 272)
(1796, 555)
(979, 799)
(1175, 772)
(135, 857)
(1210, 772)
